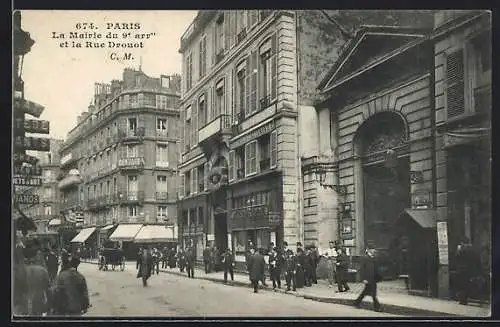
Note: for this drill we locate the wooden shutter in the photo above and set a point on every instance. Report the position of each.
(248, 91)
(181, 188)
(232, 104)
(214, 43)
(273, 148)
(231, 166)
(194, 180)
(205, 174)
(274, 67)
(455, 83)
(180, 132)
(253, 81)
(194, 123)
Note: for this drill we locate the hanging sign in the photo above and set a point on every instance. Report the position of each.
(32, 143)
(442, 235)
(27, 198)
(27, 181)
(29, 107)
(37, 126)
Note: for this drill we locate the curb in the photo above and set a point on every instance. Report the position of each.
(387, 308)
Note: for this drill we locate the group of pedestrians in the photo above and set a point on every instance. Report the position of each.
(41, 287)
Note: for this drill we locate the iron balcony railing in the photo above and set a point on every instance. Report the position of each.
(162, 196)
(221, 122)
(134, 163)
(131, 197)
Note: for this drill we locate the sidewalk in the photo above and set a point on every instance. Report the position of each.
(392, 295)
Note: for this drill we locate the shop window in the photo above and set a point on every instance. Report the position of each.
(161, 214)
(239, 238)
(263, 238)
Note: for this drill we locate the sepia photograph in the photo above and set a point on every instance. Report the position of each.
(220, 164)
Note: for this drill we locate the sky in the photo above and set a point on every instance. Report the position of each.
(62, 78)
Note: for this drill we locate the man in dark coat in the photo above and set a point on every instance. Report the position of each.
(257, 267)
(190, 260)
(228, 263)
(70, 294)
(52, 264)
(301, 264)
(145, 266)
(314, 257)
(308, 266)
(468, 267)
(207, 259)
(275, 268)
(181, 260)
(370, 276)
(290, 270)
(342, 270)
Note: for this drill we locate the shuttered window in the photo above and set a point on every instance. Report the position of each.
(231, 166)
(203, 56)
(181, 189)
(251, 158)
(455, 83)
(274, 149)
(194, 180)
(205, 176)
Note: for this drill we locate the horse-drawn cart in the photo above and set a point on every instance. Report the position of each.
(113, 257)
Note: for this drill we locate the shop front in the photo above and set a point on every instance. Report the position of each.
(193, 219)
(87, 238)
(255, 215)
(124, 235)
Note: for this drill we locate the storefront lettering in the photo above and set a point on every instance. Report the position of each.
(266, 129)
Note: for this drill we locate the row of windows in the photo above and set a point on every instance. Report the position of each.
(252, 87)
(127, 101)
(37, 211)
(230, 28)
(133, 213)
(110, 187)
(108, 160)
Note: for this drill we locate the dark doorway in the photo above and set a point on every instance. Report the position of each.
(386, 195)
(220, 232)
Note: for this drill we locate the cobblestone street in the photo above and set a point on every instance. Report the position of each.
(116, 293)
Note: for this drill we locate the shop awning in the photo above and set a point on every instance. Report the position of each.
(125, 232)
(106, 228)
(426, 218)
(83, 235)
(156, 233)
(55, 222)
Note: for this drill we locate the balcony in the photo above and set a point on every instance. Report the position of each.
(131, 197)
(132, 135)
(220, 125)
(162, 196)
(69, 181)
(482, 99)
(131, 164)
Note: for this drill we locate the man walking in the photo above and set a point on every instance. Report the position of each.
(290, 270)
(206, 259)
(190, 259)
(370, 276)
(145, 266)
(342, 270)
(70, 295)
(468, 263)
(228, 262)
(257, 266)
(52, 264)
(275, 268)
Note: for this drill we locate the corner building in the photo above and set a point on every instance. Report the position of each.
(246, 76)
(124, 152)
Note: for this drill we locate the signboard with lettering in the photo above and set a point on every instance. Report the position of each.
(22, 157)
(442, 236)
(27, 198)
(27, 181)
(27, 170)
(421, 199)
(131, 162)
(36, 126)
(266, 129)
(274, 218)
(29, 107)
(32, 143)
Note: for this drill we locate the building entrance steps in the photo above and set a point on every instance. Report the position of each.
(392, 295)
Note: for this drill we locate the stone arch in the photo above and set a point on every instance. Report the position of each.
(385, 122)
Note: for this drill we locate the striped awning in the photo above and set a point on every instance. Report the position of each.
(55, 222)
(125, 232)
(83, 235)
(106, 228)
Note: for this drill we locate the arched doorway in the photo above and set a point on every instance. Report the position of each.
(384, 185)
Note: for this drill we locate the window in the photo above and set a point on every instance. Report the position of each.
(132, 124)
(219, 34)
(455, 83)
(132, 100)
(131, 151)
(268, 72)
(194, 180)
(161, 184)
(181, 186)
(150, 99)
(48, 210)
(161, 125)
(203, 56)
(200, 178)
(132, 211)
(240, 87)
(161, 101)
(251, 158)
(264, 152)
(263, 238)
(219, 99)
(161, 213)
(202, 111)
(189, 71)
(231, 166)
(239, 242)
(132, 186)
(161, 155)
(187, 183)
